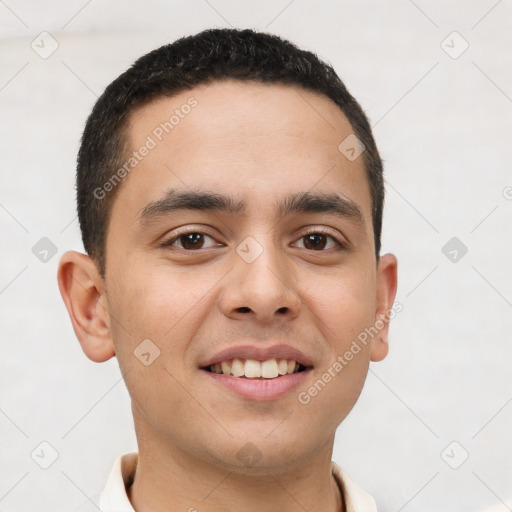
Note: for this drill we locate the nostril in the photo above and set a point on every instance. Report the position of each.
(244, 309)
(282, 310)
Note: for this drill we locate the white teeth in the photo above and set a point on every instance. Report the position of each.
(237, 368)
(226, 368)
(269, 369)
(252, 369)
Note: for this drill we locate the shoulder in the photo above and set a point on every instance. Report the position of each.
(114, 496)
(356, 499)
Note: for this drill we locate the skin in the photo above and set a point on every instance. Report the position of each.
(258, 143)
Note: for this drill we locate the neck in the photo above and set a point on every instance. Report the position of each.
(169, 478)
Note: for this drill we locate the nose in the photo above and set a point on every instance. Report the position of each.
(264, 289)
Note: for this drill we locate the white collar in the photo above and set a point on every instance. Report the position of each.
(114, 497)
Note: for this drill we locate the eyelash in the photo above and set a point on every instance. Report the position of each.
(168, 243)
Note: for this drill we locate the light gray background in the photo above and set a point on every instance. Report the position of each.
(443, 126)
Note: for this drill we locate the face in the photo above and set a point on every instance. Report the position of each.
(278, 264)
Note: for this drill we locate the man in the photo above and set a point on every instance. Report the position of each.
(230, 198)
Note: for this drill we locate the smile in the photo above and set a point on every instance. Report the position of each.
(253, 369)
(255, 380)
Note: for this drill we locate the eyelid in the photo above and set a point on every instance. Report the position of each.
(324, 231)
(169, 241)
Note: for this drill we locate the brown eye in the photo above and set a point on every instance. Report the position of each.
(191, 241)
(319, 241)
(315, 241)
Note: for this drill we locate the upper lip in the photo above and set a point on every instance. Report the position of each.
(258, 353)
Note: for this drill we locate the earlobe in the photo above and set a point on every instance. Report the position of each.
(386, 292)
(83, 293)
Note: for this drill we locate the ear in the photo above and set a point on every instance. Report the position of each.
(83, 292)
(386, 291)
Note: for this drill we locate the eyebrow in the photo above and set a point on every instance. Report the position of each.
(295, 203)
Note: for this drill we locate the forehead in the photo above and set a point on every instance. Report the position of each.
(255, 141)
(244, 111)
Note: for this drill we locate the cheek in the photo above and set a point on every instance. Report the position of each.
(343, 302)
(159, 305)
(343, 306)
(163, 308)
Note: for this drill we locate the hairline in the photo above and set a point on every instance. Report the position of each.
(124, 131)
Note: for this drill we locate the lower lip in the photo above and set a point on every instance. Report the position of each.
(260, 389)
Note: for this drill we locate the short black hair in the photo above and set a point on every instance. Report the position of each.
(209, 56)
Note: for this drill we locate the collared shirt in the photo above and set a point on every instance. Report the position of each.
(114, 497)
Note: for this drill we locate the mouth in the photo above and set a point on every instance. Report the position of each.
(254, 369)
(258, 373)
